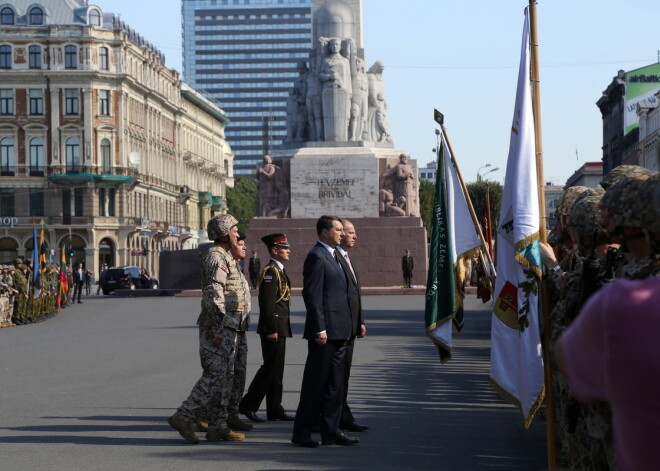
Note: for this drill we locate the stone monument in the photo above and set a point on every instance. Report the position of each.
(340, 154)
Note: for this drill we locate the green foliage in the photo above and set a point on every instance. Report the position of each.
(426, 199)
(477, 191)
(529, 288)
(242, 200)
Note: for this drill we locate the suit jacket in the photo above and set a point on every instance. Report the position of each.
(254, 266)
(354, 298)
(325, 292)
(77, 278)
(274, 296)
(407, 264)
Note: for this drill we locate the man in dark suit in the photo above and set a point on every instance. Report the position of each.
(359, 330)
(79, 282)
(274, 327)
(254, 268)
(407, 268)
(328, 327)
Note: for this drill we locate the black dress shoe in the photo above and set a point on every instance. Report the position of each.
(354, 427)
(341, 439)
(305, 442)
(283, 416)
(250, 414)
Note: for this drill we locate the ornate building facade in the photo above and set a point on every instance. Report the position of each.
(99, 140)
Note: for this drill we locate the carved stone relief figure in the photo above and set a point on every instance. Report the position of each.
(377, 125)
(273, 190)
(359, 103)
(337, 89)
(402, 178)
(296, 121)
(313, 103)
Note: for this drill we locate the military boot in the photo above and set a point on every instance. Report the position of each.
(235, 423)
(184, 428)
(224, 434)
(202, 425)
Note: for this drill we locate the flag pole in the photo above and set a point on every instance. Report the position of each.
(543, 237)
(440, 119)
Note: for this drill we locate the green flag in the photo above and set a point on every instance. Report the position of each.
(440, 286)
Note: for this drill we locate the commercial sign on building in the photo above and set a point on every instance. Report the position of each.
(641, 84)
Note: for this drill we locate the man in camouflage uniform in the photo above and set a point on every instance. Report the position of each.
(21, 300)
(223, 315)
(5, 292)
(648, 207)
(623, 210)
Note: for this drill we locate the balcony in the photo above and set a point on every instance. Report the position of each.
(7, 170)
(37, 171)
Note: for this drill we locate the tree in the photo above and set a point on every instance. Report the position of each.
(426, 199)
(477, 192)
(242, 200)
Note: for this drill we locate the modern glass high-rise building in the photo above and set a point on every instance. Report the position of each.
(243, 54)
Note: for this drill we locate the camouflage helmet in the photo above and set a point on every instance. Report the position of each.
(647, 203)
(567, 198)
(619, 200)
(622, 171)
(598, 191)
(585, 217)
(219, 226)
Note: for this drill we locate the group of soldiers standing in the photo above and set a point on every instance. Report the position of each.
(23, 303)
(602, 234)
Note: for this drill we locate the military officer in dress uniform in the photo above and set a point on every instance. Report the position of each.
(274, 327)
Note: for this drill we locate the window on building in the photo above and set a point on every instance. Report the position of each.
(36, 102)
(107, 202)
(7, 202)
(106, 156)
(95, 17)
(104, 102)
(34, 56)
(7, 16)
(72, 155)
(37, 202)
(37, 163)
(103, 58)
(6, 102)
(71, 101)
(78, 198)
(71, 57)
(7, 161)
(5, 57)
(36, 16)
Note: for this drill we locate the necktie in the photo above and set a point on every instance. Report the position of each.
(348, 262)
(336, 258)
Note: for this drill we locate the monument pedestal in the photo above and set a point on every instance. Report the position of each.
(377, 254)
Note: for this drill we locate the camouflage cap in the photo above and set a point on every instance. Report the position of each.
(619, 200)
(647, 203)
(219, 225)
(585, 217)
(598, 191)
(622, 171)
(567, 198)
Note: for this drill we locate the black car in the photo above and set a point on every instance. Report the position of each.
(125, 278)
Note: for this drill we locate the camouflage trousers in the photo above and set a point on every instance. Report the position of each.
(217, 393)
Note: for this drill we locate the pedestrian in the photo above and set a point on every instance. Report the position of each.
(407, 266)
(274, 327)
(359, 329)
(88, 282)
(104, 268)
(328, 326)
(254, 268)
(223, 315)
(145, 279)
(78, 281)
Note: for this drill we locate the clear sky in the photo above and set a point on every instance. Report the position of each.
(462, 57)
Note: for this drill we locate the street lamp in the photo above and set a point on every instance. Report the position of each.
(489, 171)
(479, 169)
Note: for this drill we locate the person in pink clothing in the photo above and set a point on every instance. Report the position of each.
(612, 353)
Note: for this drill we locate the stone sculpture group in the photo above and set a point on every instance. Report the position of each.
(335, 100)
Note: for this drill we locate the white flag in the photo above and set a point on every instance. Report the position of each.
(516, 359)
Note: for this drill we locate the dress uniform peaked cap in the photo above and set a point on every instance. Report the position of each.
(278, 239)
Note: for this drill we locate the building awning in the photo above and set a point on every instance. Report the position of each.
(81, 179)
(205, 198)
(218, 203)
